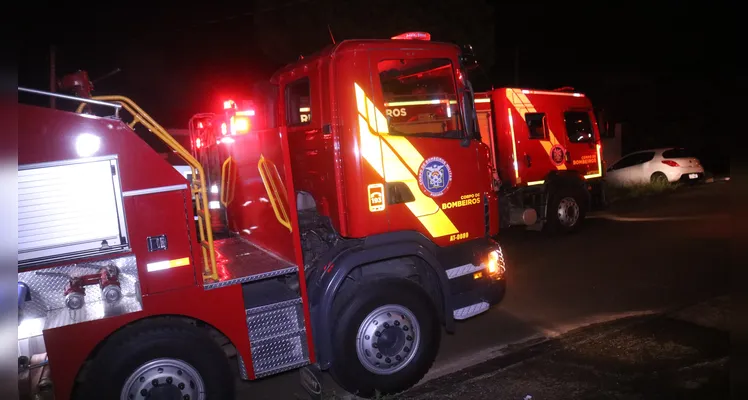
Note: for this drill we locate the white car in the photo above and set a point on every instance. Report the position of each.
(672, 164)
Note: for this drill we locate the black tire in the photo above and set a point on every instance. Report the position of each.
(353, 307)
(151, 340)
(555, 222)
(659, 178)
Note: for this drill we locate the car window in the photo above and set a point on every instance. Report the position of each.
(633, 159)
(578, 126)
(677, 153)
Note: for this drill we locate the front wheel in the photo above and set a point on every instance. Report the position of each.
(567, 208)
(387, 335)
(159, 361)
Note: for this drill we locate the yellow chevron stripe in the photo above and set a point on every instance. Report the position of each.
(385, 159)
(523, 105)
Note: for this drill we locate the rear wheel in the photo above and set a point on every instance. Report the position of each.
(659, 178)
(386, 337)
(159, 361)
(567, 208)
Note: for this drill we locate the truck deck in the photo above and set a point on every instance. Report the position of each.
(240, 261)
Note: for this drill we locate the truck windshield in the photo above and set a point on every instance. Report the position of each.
(420, 97)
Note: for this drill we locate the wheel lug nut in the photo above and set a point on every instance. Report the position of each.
(405, 328)
(379, 355)
(409, 338)
(374, 345)
(386, 325)
(367, 337)
(143, 392)
(377, 334)
(169, 380)
(154, 382)
(387, 360)
(186, 397)
(142, 379)
(181, 386)
(179, 372)
(398, 358)
(406, 349)
(397, 323)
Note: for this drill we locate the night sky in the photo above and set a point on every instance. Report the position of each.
(656, 72)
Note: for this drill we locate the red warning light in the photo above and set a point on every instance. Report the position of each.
(198, 143)
(413, 36)
(228, 104)
(200, 125)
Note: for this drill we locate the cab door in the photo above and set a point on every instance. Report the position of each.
(581, 142)
(433, 183)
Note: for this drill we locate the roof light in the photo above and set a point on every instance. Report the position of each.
(228, 104)
(413, 36)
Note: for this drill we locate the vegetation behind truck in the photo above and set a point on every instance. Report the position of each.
(352, 237)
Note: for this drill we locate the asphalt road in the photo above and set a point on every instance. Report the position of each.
(637, 258)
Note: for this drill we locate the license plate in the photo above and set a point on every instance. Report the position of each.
(693, 176)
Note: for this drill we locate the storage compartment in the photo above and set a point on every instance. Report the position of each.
(68, 210)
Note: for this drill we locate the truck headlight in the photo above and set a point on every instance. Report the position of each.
(495, 264)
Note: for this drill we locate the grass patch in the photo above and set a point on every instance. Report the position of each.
(614, 193)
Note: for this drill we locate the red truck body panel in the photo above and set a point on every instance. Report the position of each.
(49, 136)
(506, 116)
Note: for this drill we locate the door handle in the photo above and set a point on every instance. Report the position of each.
(528, 160)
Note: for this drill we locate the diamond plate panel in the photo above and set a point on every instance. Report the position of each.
(470, 311)
(280, 353)
(239, 261)
(464, 270)
(242, 368)
(47, 286)
(264, 323)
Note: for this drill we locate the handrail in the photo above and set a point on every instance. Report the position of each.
(198, 177)
(274, 194)
(73, 98)
(227, 192)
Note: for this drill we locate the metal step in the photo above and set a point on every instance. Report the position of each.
(277, 336)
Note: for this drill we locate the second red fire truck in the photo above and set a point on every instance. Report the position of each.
(352, 238)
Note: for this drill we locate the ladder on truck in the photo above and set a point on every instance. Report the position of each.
(198, 184)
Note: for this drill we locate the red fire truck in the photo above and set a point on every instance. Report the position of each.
(545, 146)
(353, 238)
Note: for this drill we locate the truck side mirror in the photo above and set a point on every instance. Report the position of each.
(467, 57)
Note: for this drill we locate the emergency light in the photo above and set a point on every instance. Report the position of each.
(413, 36)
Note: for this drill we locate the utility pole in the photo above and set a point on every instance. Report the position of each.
(52, 75)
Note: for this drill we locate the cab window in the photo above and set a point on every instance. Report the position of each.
(536, 126)
(579, 126)
(420, 97)
(298, 107)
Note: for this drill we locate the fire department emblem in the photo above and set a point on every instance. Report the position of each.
(558, 154)
(435, 176)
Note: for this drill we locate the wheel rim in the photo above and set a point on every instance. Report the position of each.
(660, 178)
(388, 339)
(568, 211)
(164, 378)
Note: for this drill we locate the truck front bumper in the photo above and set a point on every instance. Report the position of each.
(476, 287)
